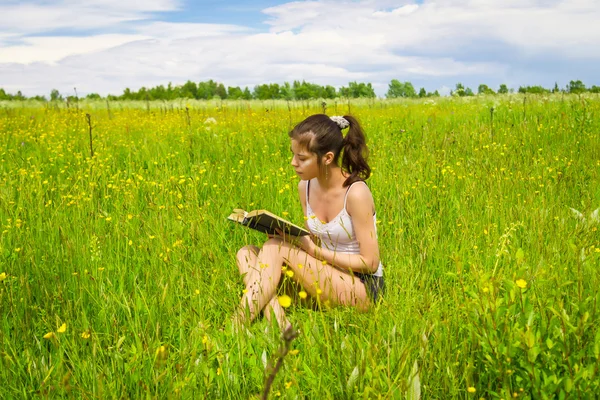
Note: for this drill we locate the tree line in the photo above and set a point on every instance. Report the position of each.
(298, 90)
(574, 87)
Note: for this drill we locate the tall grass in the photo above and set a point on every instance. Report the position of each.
(486, 227)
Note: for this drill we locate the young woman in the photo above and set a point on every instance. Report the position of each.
(340, 264)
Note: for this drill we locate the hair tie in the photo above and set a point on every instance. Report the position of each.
(340, 121)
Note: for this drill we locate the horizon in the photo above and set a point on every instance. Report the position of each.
(75, 93)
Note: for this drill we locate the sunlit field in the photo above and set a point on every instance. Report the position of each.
(118, 275)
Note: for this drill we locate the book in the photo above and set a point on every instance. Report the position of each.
(267, 222)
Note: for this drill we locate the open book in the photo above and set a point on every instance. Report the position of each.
(265, 221)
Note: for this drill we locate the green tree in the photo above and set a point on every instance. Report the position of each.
(19, 96)
(595, 89)
(267, 91)
(356, 90)
(329, 92)
(395, 89)
(503, 89)
(189, 90)
(399, 89)
(533, 89)
(286, 91)
(556, 89)
(422, 92)
(206, 90)
(221, 91)
(247, 94)
(459, 90)
(302, 90)
(172, 92)
(55, 95)
(3, 95)
(576, 87)
(93, 96)
(484, 89)
(143, 94)
(127, 95)
(234, 93)
(158, 93)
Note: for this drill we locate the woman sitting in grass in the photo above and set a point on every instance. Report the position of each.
(340, 264)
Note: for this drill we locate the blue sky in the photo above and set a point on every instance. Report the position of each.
(105, 46)
(223, 12)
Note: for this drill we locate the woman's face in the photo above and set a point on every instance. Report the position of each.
(304, 162)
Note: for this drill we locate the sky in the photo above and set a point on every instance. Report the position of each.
(105, 46)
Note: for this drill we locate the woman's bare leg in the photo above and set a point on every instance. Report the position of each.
(247, 258)
(320, 280)
(262, 279)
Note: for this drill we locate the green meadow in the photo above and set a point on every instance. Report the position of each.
(118, 275)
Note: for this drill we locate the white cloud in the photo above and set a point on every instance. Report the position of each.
(54, 48)
(528, 25)
(42, 16)
(182, 30)
(404, 10)
(434, 43)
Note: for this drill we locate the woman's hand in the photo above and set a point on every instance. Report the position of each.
(303, 242)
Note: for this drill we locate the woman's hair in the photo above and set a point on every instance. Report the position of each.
(320, 134)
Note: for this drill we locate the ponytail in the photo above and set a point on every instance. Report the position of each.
(320, 134)
(355, 153)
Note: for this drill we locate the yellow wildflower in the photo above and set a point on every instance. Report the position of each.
(285, 301)
(290, 273)
(302, 294)
(85, 335)
(522, 283)
(294, 352)
(161, 352)
(3, 276)
(471, 389)
(49, 335)
(62, 329)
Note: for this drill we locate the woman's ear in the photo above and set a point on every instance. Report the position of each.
(328, 158)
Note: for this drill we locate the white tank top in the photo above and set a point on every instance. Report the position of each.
(338, 234)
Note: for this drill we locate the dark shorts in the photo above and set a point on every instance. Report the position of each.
(375, 285)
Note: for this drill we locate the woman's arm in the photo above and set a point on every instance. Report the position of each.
(360, 206)
(302, 196)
